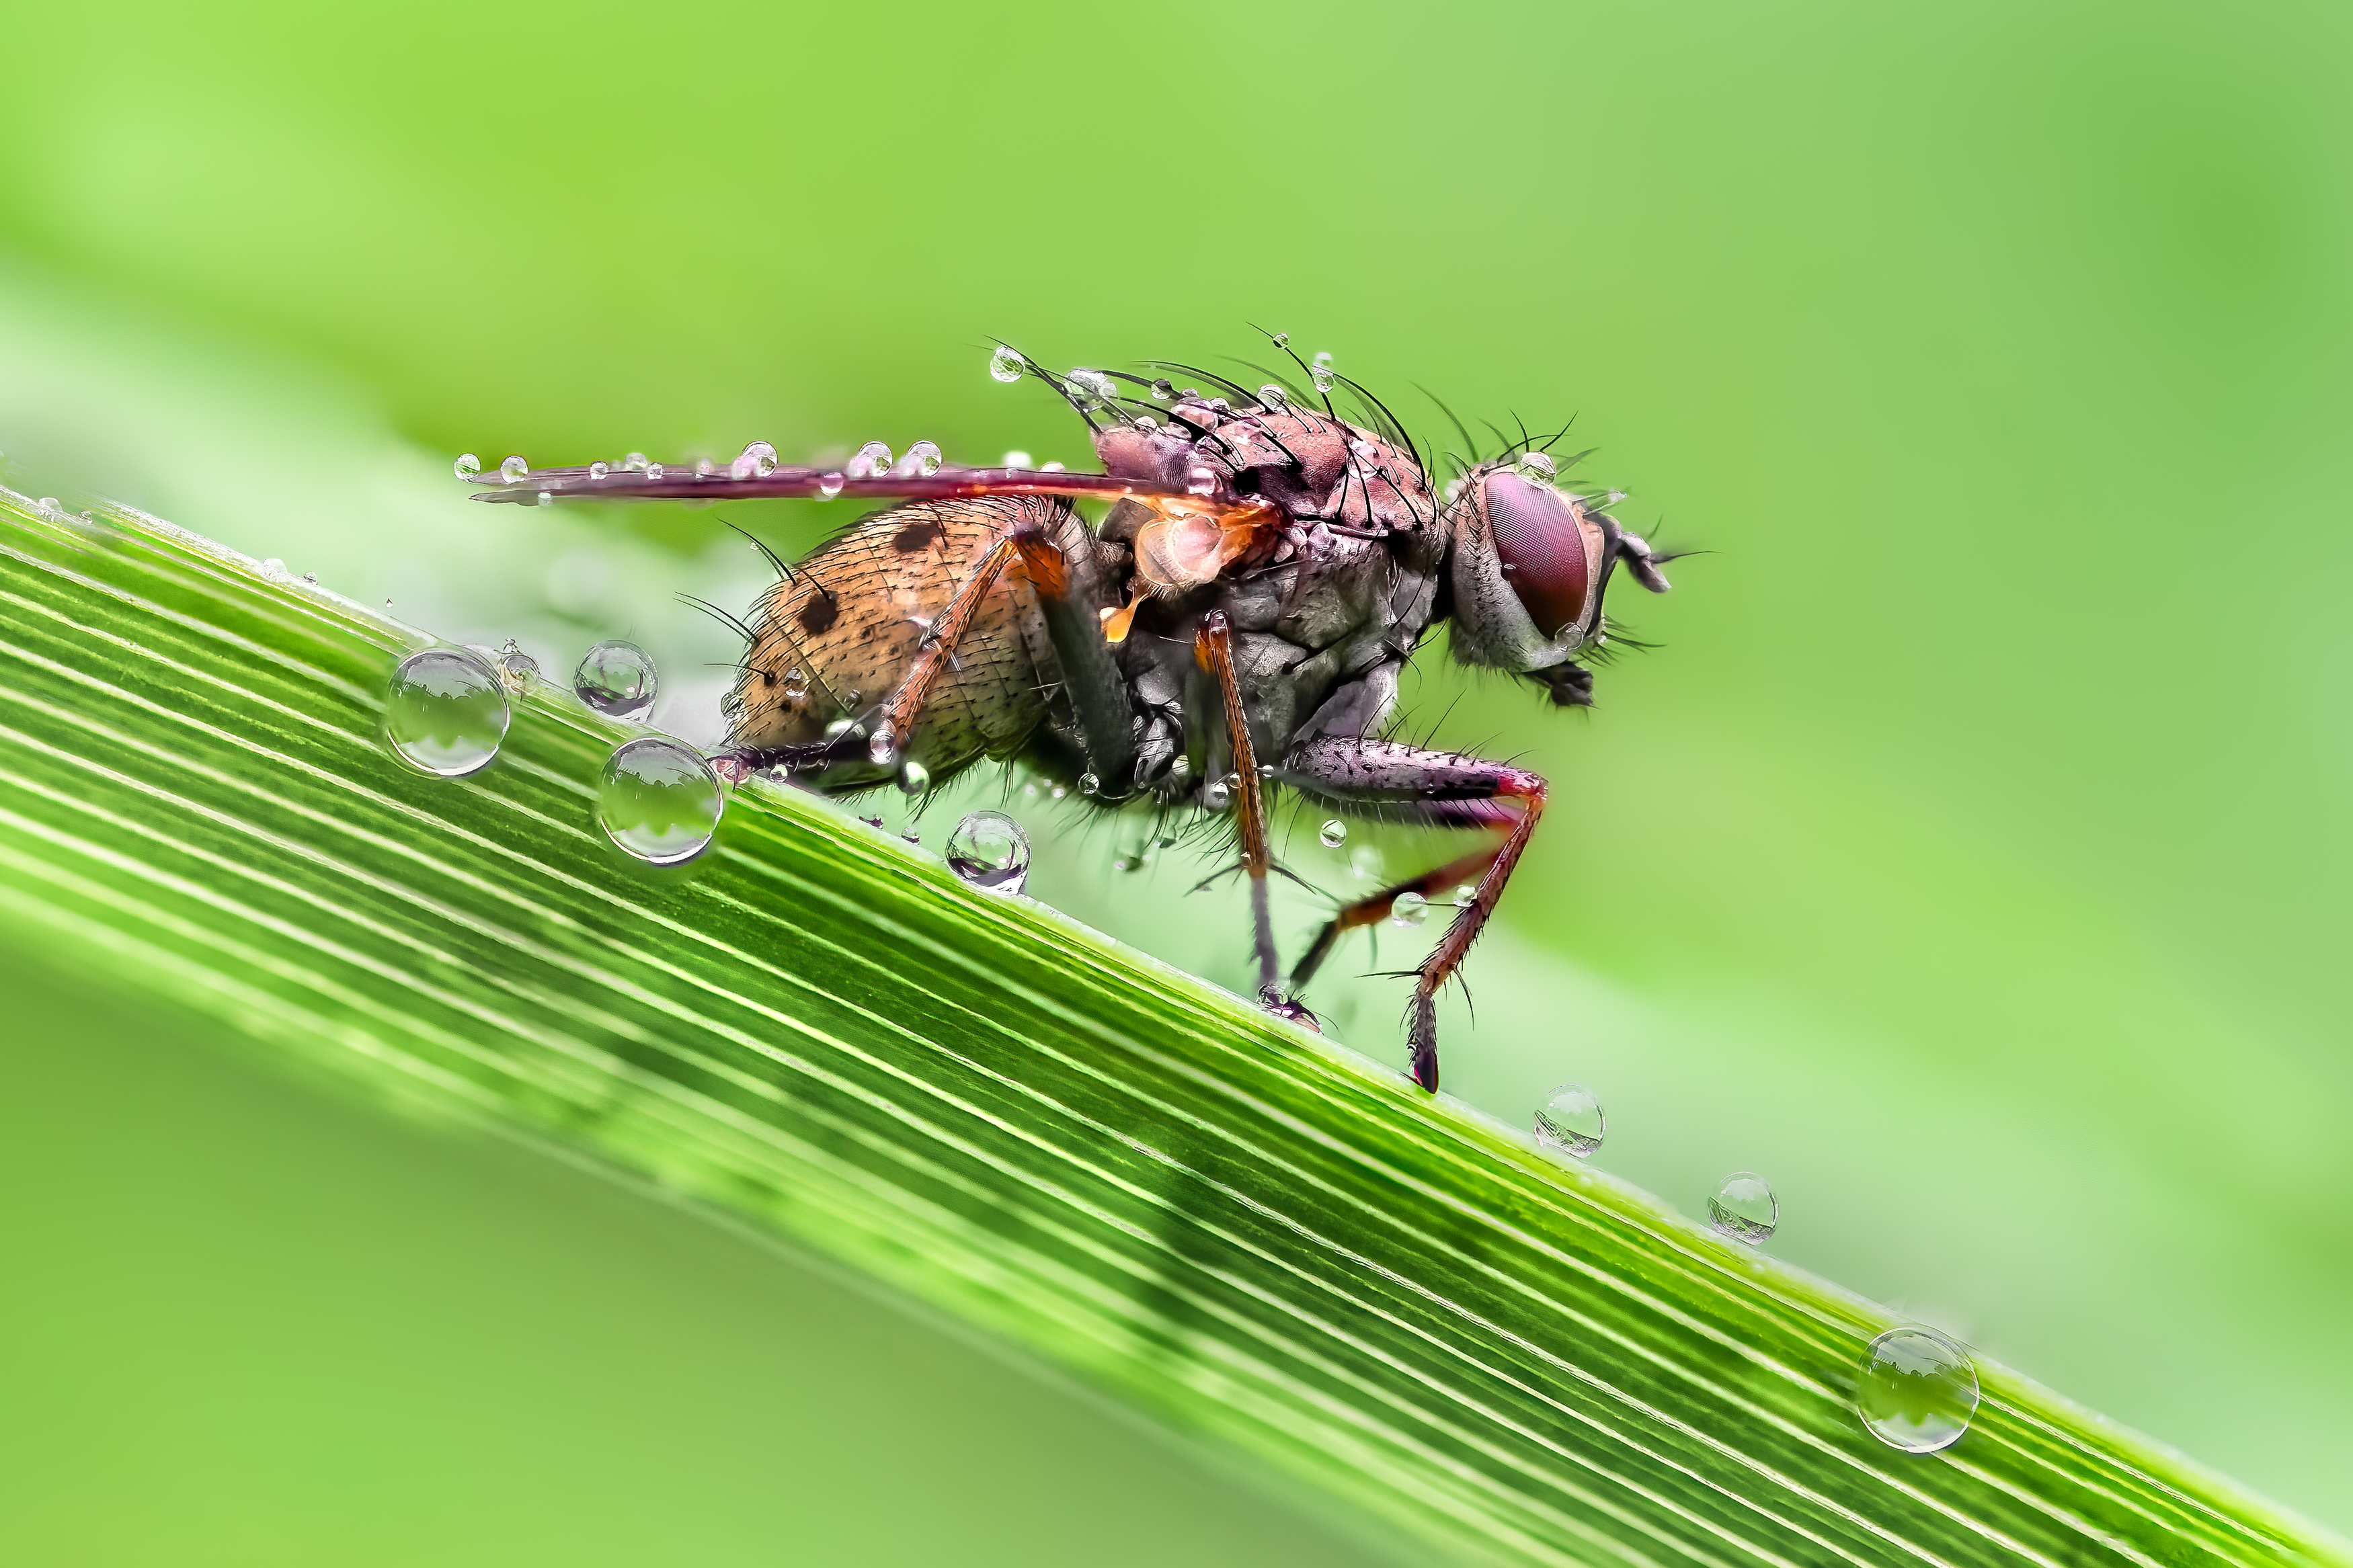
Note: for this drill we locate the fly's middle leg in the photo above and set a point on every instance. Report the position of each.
(1383, 778)
(1213, 649)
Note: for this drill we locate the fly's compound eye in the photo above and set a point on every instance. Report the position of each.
(1550, 555)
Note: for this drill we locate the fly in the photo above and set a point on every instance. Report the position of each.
(1237, 623)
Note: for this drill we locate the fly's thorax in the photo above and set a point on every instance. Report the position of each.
(1305, 463)
(1529, 564)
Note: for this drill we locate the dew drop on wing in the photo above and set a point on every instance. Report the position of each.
(1917, 1392)
(466, 466)
(1409, 910)
(988, 850)
(513, 470)
(1743, 1208)
(1333, 834)
(658, 800)
(618, 678)
(1006, 364)
(1570, 1121)
(446, 712)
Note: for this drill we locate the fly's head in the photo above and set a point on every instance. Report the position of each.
(1529, 564)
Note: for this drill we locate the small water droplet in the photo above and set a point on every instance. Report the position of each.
(1051, 468)
(658, 800)
(840, 727)
(1272, 396)
(517, 668)
(882, 750)
(1280, 339)
(545, 498)
(273, 568)
(1535, 467)
(922, 461)
(1918, 1391)
(1057, 793)
(827, 486)
(704, 467)
(466, 466)
(1265, 770)
(1217, 795)
(600, 469)
(653, 471)
(1616, 496)
(1320, 373)
(617, 677)
(312, 578)
(1017, 459)
(1570, 1121)
(989, 850)
(1089, 784)
(513, 470)
(1409, 910)
(1144, 422)
(1334, 833)
(757, 460)
(1466, 895)
(1743, 1208)
(49, 504)
(446, 712)
(635, 463)
(1006, 364)
(1162, 391)
(872, 461)
(1092, 385)
(915, 779)
(796, 684)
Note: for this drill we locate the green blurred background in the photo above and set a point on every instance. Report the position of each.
(1971, 861)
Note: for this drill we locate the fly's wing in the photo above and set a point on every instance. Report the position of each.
(757, 475)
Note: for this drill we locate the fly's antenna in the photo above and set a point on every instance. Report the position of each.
(775, 560)
(722, 616)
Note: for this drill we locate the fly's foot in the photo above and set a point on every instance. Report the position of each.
(1271, 1000)
(1423, 1038)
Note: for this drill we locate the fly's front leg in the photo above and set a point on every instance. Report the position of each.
(1213, 649)
(1384, 779)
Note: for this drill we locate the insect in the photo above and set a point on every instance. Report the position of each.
(1237, 623)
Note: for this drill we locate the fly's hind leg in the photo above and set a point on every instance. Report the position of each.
(1385, 779)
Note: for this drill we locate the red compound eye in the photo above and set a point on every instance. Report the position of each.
(1548, 557)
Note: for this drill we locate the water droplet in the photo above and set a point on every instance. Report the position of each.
(1280, 337)
(1616, 496)
(653, 471)
(513, 470)
(872, 461)
(1057, 793)
(1217, 795)
(1265, 770)
(445, 712)
(635, 463)
(1092, 385)
(49, 504)
(658, 800)
(797, 684)
(1162, 391)
(1918, 1390)
(466, 466)
(1333, 834)
(273, 568)
(1409, 910)
(517, 668)
(827, 486)
(545, 498)
(312, 578)
(915, 779)
(882, 750)
(1743, 1208)
(1089, 784)
(704, 467)
(1017, 459)
(922, 461)
(1051, 468)
(1535, 467)
(1320, 373)
(599, 469)
(1144, 422)
(1272, 396)
(840, 727)
(1006, 364)
(1571, 1122)
(757, 460)
(989, 850)
(617, 677)
(1466, 895)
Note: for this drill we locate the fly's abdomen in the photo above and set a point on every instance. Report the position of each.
(835, 639)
